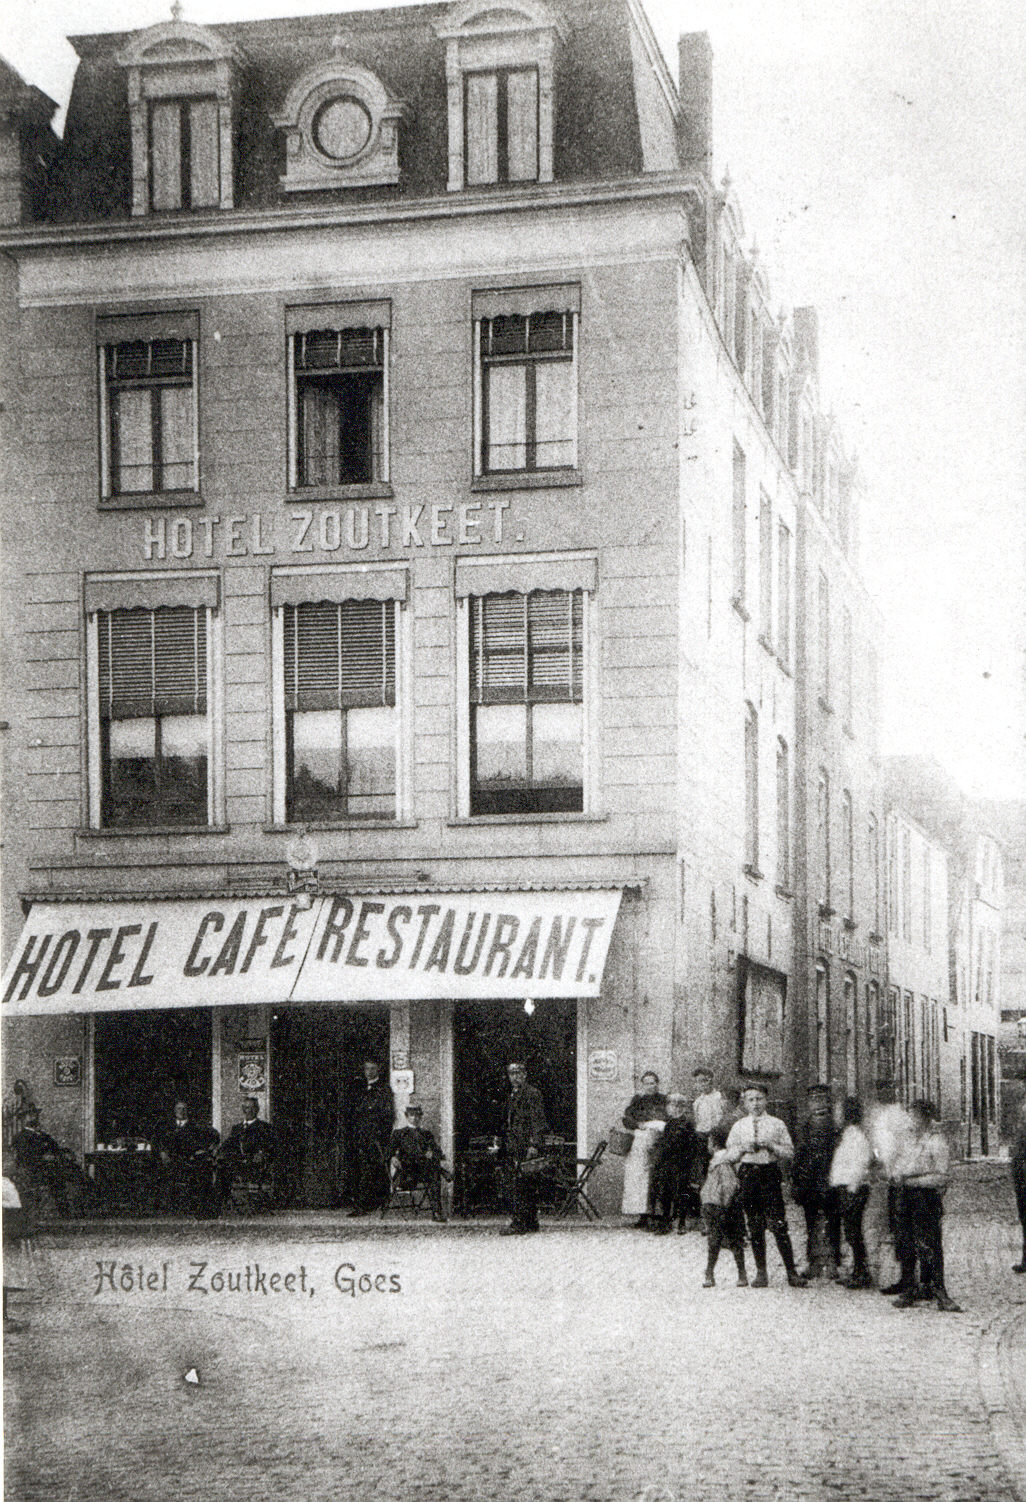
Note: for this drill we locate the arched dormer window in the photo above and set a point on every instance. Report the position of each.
(180, 78)
(342, 128)
(500, 77)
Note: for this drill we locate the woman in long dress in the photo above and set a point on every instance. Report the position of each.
(645, 1117)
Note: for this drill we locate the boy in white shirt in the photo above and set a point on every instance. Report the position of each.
(761, 1145)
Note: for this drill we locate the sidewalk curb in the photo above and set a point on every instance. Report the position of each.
(1006, 1418)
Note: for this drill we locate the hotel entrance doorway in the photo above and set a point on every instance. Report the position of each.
(487, 1035)
(316, 1071)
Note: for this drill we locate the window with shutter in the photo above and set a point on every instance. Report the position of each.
(185, 169)
(150, 437)
(526, 699)
(528, 392)
(152, 678)
(340, 710)
(500, 113)
(340, 392)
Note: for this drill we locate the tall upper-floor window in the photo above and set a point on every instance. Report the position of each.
(905, 837)
(751, 788)
(823, 835)
(148, 407)
(185, 166)
(927, 897)
(526, 381)
(338, 395)
(823, 638)
(784, 594)
(501, 124)
(848, 836)
(765, 567)
(783, 815)
(873, 863)
(847, 670)
(739, 524)
(527, 702)
(151, 682)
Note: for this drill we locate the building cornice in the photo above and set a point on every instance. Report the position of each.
(193, 226)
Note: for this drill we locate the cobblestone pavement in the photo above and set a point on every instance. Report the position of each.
(584, 1363)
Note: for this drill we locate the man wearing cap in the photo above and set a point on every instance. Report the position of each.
(761, 1146)
(522, 1141)
(373, 1119)
(414, 1158)
(810, 1180)
(922, 1174)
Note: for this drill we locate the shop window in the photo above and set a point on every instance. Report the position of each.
(340, 710)
(339, 425)
(154, 735)
(527, 384)
(527, 703)
(148, 410)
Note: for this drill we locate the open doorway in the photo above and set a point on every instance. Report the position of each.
(316, 1069)
(145, 1061)
(486, 1036)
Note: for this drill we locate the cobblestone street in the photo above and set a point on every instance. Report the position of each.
(584, 1363)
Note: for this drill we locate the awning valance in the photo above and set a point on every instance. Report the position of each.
(505, 301)
(151, 591)
(305, 586)
(384, 947)
(501, 576)
(338, 315)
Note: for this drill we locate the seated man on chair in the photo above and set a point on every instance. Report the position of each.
(187, 1154)
(42, 1163)
(247, 1154)
(414, 1159)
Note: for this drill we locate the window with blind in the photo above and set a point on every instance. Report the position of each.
(339, 433)
(528, 392)
(185, 154)
(150, 442)
(500, 114)
(152, 676)
(340, 710)
(527, 703)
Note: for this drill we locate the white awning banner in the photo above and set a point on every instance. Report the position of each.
(141, 956)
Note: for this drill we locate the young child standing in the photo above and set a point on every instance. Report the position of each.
(721, 1210)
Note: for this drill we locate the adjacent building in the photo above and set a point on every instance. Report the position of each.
(432, 614)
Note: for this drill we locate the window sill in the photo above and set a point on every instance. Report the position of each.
(528, 479)
(824, 704)
(875, 938)
(570, 818)
(737, 605)
(766, 645)
(784, 666)
(347, 826)
(373, 490)
(825, 910)
(850, 925)
(152, 831)
(753, 873)
(784, 892)
(151, 500)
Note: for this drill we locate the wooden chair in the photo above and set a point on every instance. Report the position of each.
(576, 1196)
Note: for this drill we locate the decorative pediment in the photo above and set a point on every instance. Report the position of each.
(342, 129)
(472, 18)
(171, 43)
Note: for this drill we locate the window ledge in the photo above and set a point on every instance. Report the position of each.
(528, 479)
(851, 924)
(766, 644)
(152, 831)
(784, 892)
(753, 873)
(875, 938)
(737, 605)
(572, 818)
(347, 826)
(825, 910)
(372, 491)
(824, 704)
(784, 666)
(151, 500)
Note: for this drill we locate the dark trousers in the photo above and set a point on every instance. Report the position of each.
(371, 1176)
(851, 1206)
(1019, 1185)
(670, 1186)
(762, 1196)
(523, 1197)
(816, 1205)
(724, 1226)
(922, 1212)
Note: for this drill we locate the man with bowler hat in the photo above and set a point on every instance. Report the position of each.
(526, 1129)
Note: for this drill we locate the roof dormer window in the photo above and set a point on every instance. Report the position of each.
(342, 128)
(179, 79)
(500, 72)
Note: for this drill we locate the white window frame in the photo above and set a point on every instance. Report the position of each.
(403, 811)
(589, 686)
(480, 473)
(215, 711)
(333, 313)
(141, 497)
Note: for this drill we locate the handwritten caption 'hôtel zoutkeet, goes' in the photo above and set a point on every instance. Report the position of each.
(253, 1279)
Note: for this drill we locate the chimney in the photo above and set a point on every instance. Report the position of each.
(27, 146)
(694, 53)
(806, 336)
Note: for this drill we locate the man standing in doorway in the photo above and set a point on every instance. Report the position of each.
(373, 1119)
(525, 1132)
(761, 1146)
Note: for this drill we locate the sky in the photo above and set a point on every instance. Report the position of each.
(878, 152)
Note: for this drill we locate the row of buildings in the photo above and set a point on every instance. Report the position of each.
(432, 615)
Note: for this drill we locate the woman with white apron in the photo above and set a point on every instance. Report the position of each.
(645, 1118)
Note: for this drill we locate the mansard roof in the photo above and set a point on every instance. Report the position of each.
(597, 132)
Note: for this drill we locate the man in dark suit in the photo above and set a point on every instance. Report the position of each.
(415, 1158)
(187, 1154)
(373, 1119)
(525, 1133)
(248, 1151)
(41, 1162)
